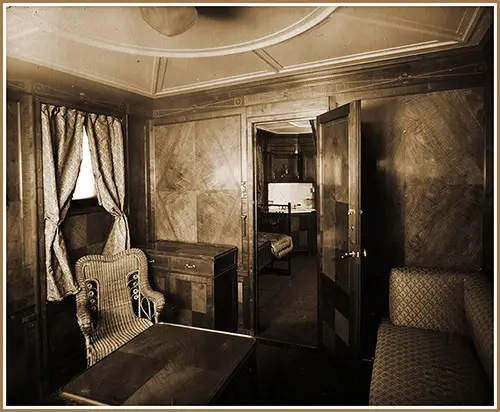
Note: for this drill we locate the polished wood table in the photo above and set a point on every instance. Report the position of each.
(167, 365)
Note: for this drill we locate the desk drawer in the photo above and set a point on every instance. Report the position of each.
(191, 265)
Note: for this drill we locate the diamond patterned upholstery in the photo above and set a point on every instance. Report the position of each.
(425, 367)
(427, 298)
(478, 297)
(438, 343)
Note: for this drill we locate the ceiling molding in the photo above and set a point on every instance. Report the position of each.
(472, 24)
(23, 33)
(297, 28)
(406, 72)
(269, 60)
(213, 83)
(361, 58)
(384, 54)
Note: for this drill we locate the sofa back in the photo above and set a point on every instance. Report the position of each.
(427, 298)
(478, 301)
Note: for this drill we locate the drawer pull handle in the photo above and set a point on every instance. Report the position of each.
(190, 266)
(151, 261)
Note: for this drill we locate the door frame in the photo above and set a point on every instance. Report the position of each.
(252, 122)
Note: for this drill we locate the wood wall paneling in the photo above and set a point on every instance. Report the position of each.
(24, 362)
(431, 157)
(137, 194)
(198, 181)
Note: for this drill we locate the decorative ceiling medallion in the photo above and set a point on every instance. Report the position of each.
(123, 29)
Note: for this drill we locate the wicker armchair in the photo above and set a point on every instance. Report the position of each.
(115, 302)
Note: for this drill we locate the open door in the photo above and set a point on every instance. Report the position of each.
(339, 239)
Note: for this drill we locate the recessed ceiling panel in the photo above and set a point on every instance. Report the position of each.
(185, 74)
(125, 71)
(222, 31)
(452, 21)
(347, 36)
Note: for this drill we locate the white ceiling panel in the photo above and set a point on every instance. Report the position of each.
(345, 37)
(125, 71)
(451, 21)
(207, 71)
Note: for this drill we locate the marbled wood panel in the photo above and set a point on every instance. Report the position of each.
(443, 225)
(218, 153)
(443, 137)
(174, 157)
(444, 178)
(219, 217)
(176, 215)
(431, 157)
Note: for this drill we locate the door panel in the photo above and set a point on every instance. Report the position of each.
(339, 241)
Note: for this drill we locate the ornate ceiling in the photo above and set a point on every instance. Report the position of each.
(113, 45)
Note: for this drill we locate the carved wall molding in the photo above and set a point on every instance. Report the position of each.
(44, 90)
(390, 77)
(230, 103)
(19, 85)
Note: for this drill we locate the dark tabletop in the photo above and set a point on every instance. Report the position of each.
(165, 365)
(200, 250)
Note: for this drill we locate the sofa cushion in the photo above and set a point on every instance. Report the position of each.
(427, 298)
(478, 300)
(424, 367)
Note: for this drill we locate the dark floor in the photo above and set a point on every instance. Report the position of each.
(294, 375)
(287, 304)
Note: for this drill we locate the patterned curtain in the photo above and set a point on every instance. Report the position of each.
(62, 142)
(108, 164)
(259, 166)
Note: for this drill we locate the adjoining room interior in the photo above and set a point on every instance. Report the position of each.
(250, 205)
(286, 174)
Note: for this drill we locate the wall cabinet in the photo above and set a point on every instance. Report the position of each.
(199, 281)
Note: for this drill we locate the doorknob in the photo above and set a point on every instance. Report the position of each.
(348, 254)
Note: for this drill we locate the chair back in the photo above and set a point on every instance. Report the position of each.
(110, 286)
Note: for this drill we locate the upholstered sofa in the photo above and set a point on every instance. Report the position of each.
(436, 348)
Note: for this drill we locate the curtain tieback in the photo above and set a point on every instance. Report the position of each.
(57, 223)
(118, 214)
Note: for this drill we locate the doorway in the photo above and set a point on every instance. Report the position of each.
(285, 236)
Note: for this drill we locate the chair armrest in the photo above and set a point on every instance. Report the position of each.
(154, 296)
(427, 298)
(83, 314)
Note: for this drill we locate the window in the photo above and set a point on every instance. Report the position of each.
(84, 198)
(85, 185)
